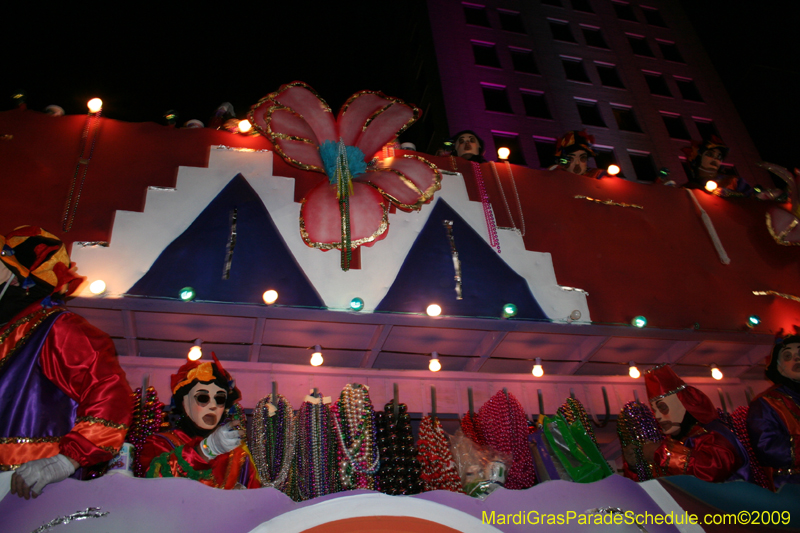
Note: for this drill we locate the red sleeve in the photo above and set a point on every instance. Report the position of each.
(81, 360)
(711, 458)
(157, 445)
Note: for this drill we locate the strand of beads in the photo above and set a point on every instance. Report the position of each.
(316, 456)
(505, 428)
(739, 418)
(635, 425)
(488, 214)
(572, 410)
(272, 441)
(355, 428)
(400, 468)
(470, 425)
(438, 467)
(148, 419)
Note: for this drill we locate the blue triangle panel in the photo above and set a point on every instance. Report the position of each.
(428, 275)
(260, 258)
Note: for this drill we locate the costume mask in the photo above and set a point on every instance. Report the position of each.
(789, 361)
(578, 162)
(711, 159)
(467, 145)
(669, 413)
(204, 404)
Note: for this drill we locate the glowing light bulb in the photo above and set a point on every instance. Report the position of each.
(509, 310)
(356, 304)
(316, 357)
(538, 371)
(633, 371)
(613, 170)
(244, 126)
(434, 310)
(195, 352)
(97, 287)
(270, 296)
(94, 105)
(434, 365)
(711, 185)
(716, 373)
(503, 153)
(753, 321)
(639, 321)
(187, 294)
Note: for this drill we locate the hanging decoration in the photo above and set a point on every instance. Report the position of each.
(521, 229)
(488, 213)
(635, 426)
(505, 428)
(351, 208)
(572, 410)
(354, 420)
(470, 425)
(148, 419)
(775, 293)
(91, 130)
(317, 455)
(438, 467)
(607, 202)
(272, 442)
(400, 468)
(448, 226)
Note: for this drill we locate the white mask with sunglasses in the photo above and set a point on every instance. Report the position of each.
(204, 404)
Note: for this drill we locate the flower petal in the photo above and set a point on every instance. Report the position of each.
(370, 119)
(408, 181)
(321, 220)
(292, 137)
(304, 101)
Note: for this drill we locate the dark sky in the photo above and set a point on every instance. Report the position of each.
(147, 61)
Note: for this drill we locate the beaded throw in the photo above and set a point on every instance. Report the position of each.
(635, 426)
(400, 469)
(316, 458)
(355, 428)
(438, 467)
(505, 428)
(148, 419)
(272, 441)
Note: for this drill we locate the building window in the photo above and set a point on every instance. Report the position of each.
(624, 11)
(511, 21)
(626, 120)
(590, 113)
(545, 150)
(561, 31)
(594, 37)
(639, 45)
(609, 76)
(476, 15)
(675, 126)
(496, 98)
(653, 17)
(574, 70)
(605, 156)
(670, 51)
(535, 104)
(706, 127)
(485, 54)
(523, 60)
(688, 89)
(656, 83)
(582, 5)
(643, 165)
(510, 141)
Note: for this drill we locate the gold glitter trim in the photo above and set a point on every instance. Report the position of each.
(103, 421)
(273, 136)
(28, 440)
(775, 293)
(608, 202)
(425, 196)
(22, 321)
(780, 237)
(673, 391)
(338, 245)
(415, 111)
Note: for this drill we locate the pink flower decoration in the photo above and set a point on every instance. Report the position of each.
(351, 207)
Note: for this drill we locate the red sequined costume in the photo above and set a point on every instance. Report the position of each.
(62, 389)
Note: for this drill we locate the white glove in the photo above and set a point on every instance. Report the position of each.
(223, 440)
(33, 476)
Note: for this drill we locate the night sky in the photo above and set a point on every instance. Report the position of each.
(150, 60)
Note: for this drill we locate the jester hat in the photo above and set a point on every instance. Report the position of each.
(37, 257)
(662, 381)
(575, 140)
(193, 372)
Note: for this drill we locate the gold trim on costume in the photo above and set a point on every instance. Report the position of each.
(103, 421)
(28, 440)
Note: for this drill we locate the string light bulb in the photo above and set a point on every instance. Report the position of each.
(244, 126)
(94, 105)
(633, 372)
(716, 373)
(537, 371)
(356, 304)
(316, 357)
(613, 170)
(509, 310)
(187, 294)
(639, 321)
(196, 351)
(711, 185)
(270, 296)
(434, 310)
(97, 287)
(503, 153)
(753, 321)
(434, 365)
